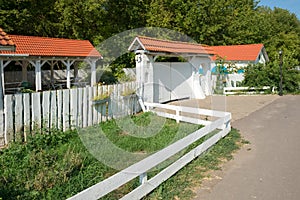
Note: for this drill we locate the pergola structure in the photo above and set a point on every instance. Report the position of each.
(38, 51)
(170, 81)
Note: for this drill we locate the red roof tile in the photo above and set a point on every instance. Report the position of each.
(168, 46)
(5, 40)
(247, 52)
(44, 46)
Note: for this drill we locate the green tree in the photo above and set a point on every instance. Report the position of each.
(29, 17)
(260, 75)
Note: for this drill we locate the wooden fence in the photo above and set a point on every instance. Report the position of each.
(221, 125)
(246, 90)
(28, 113)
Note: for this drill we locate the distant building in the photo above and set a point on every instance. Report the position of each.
(235, 58)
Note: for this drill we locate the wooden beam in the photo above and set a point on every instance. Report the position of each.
(92, 63)
(38, 73)
(68, 64)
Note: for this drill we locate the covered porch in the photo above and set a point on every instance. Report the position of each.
(168, 81)
(38, 52)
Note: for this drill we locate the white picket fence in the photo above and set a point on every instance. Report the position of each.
(221, 125)
(26, 113)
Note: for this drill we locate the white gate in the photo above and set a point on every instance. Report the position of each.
(172, 81)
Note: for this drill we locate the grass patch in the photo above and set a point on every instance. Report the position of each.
(58, 166)
(181, 185)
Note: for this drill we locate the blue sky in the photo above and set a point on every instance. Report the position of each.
(291, 5)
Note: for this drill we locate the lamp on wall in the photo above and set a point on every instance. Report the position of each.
(280, 66)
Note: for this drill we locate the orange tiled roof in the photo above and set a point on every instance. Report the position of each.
(5, 40)
(44, 46)
(247, 52)
(168, 46)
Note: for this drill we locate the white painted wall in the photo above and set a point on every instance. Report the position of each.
(173, 81)
(165, 81)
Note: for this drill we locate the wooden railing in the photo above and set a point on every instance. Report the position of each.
(246, 90)
(221, 124)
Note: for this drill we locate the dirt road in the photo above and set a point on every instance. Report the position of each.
(269, 167)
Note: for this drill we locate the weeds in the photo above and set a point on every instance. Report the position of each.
(57, 165)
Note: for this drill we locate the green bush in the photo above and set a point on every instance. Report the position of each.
(260, 75)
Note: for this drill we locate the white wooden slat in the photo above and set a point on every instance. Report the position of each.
(53, 110)
(2, 122)
(9, 123)
(100, 189)
(74, 107)
(59, 109)
(18, 111)
(85, 107)
(2, 128)
(154, 182)
(99, 107)
(79, 107)
(66, 110)
(46, 110)
(121, 110)
(36, 112)
(247, 90)
(90, 106)
(199, 111)
(109, 106)
(113, 102)
(104, 106)
(183, 118)
(27, 117)
(95, 113)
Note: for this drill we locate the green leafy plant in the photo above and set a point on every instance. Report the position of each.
(128, 92)
(260, 75)
(24, 90)
(101, 97)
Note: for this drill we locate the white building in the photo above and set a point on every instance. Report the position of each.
(236, 58)
(167, 81)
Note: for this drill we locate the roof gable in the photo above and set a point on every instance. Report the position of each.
(167, 46)
(249, 52)
(52, 47)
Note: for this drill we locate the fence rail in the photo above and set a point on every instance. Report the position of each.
(62, 109)
(246, 90)
(222, 125)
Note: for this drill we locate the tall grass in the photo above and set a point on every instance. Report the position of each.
(58, 166)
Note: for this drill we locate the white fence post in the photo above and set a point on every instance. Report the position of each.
(46, 110)
(36, 111)
(18, 113)
(9, 124)
(66, 110)
(53, 110)
(143, 178)
(27, 120)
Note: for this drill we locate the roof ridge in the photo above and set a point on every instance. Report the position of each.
(171, 41)
(46, 37)
(237, 45)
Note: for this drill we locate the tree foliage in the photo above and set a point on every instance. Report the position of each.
(211, 22)
(260, 75)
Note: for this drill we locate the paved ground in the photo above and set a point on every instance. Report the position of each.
(269, 167)
(239, 106)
